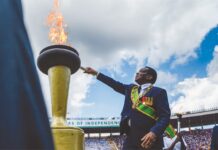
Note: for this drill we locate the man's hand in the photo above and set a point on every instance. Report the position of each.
(179, 137)
(90, 70)
(148, 140)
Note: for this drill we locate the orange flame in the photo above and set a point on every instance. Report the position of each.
(55, 21)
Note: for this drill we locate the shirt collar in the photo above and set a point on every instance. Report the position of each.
(144, 86)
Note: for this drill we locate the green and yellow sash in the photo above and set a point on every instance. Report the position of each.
(148, 111)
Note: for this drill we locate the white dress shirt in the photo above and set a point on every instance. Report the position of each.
(143, 88)
(169, 141)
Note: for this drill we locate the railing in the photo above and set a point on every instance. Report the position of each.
(198, 111)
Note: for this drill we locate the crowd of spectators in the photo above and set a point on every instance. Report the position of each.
(195, 140)
(104, 143)
(118, 141)
(96, 143)
(198, 139)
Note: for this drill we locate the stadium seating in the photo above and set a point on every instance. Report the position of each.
(198, 139)
(195, 140)
(97, 144)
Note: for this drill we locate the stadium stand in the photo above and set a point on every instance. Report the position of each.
(104, 143)
(196, 139)
(97, 144)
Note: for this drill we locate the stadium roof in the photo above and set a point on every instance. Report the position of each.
(190, 119)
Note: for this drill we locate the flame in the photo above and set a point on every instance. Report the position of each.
(55, 21)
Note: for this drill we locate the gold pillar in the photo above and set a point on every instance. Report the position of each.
(65, 138)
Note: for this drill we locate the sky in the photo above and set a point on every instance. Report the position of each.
(117, 37)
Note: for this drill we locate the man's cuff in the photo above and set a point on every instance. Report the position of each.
(97, 75)
(154, 131)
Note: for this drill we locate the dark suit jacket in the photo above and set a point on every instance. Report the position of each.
(140, 123)
(214, 140)
(24, 121)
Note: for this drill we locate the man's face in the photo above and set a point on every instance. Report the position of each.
(142, 76)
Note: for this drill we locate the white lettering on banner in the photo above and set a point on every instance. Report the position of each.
(90, 122)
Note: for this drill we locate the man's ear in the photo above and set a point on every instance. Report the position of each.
(149, 77)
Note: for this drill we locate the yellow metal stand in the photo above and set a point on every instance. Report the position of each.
(65, 138)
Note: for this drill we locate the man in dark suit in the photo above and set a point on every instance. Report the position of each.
(214, 140)
(24, 121)
(146, 112)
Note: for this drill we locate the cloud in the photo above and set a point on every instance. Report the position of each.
(78, 90)
(166, 78)
(156, 30)
(213, 66)
(107, 32)
(198, 93)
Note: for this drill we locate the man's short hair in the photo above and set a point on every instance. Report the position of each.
(153, 73)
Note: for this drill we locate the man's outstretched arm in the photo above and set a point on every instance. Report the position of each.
(117, 86)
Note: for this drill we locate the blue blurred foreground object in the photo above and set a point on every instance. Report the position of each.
(24, 120)
(214, 139)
